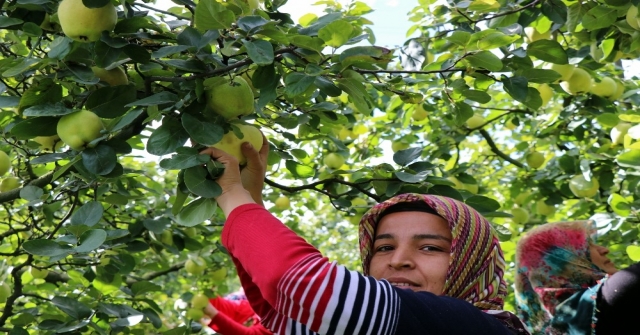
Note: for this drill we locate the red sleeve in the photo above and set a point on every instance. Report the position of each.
(244, 227)
(227, 326)
(238, 310)
(259, 305)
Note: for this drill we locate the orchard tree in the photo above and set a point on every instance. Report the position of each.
(521, 109)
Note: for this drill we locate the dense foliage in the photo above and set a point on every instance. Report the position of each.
(519, 108)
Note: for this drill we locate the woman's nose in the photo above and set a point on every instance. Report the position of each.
(603, 250)
(401, 259)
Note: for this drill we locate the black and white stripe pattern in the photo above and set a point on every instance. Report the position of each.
(356, 304)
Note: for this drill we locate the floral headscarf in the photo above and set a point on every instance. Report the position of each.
(555, 276)
(476, 265)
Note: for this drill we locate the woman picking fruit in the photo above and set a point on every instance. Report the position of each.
(431, 264)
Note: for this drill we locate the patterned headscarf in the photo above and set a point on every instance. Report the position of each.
(553, 263)
(476, 265)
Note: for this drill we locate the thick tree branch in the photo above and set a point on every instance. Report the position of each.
(497, 151)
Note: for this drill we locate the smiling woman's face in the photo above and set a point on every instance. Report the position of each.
(411, 250)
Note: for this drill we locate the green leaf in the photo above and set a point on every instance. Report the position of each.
(463, 112)
(22, 66)
(39, 94)
(492, 39)
(357, 93)
(190, 37)
(260, 51)
(516, 87)
(116, 199)
(211, 15)
(137, 53)
(555, 10)
(250, 23)
(168, 51)
(539, 76)
(405, 157)
(105, 55)
(153, 317)
(619, 205)
(89, 214)
(126, 120)
(336, 33)
(6, 101)
(197, 211)
(327, 87)
(99, 160)
(599, 17)
(9, 21)
(307, 42)
(184, 159)
(37, 126)
(634, 252)
(111, 101)
(196, 180)
(485, 60)
(202, 131)
(629, 118)
(412, 178)
(72, 307)
(534, 100)
(167, 138)
(608, 119)
(31, 193)
(549, 51)
(143, 287)
(461, 38)
(156, 99)
(47, 248)
(629, 158)
(91, 240)
(83, 74)
(297, 83)
(156, 226)
(482, 204)
(299, 170)
(192, 65)
(477, 96)
(59, 48)
(50, 109)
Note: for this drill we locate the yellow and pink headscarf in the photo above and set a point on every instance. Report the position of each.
(476, 267)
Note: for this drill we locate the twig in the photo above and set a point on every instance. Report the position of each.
(155, 9)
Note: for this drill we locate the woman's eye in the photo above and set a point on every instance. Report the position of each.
(432, 248)
(384, 248)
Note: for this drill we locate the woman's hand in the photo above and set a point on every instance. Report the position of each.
(210, 311)
(233, 193)
(252, 175)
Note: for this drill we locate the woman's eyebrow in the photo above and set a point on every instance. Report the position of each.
(431, 237)
(383, 236)
(416, 237)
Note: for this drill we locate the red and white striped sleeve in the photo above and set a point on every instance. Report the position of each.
(301, 292)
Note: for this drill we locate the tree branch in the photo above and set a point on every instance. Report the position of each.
(155, 9)
(497, 151)
(214, 72)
